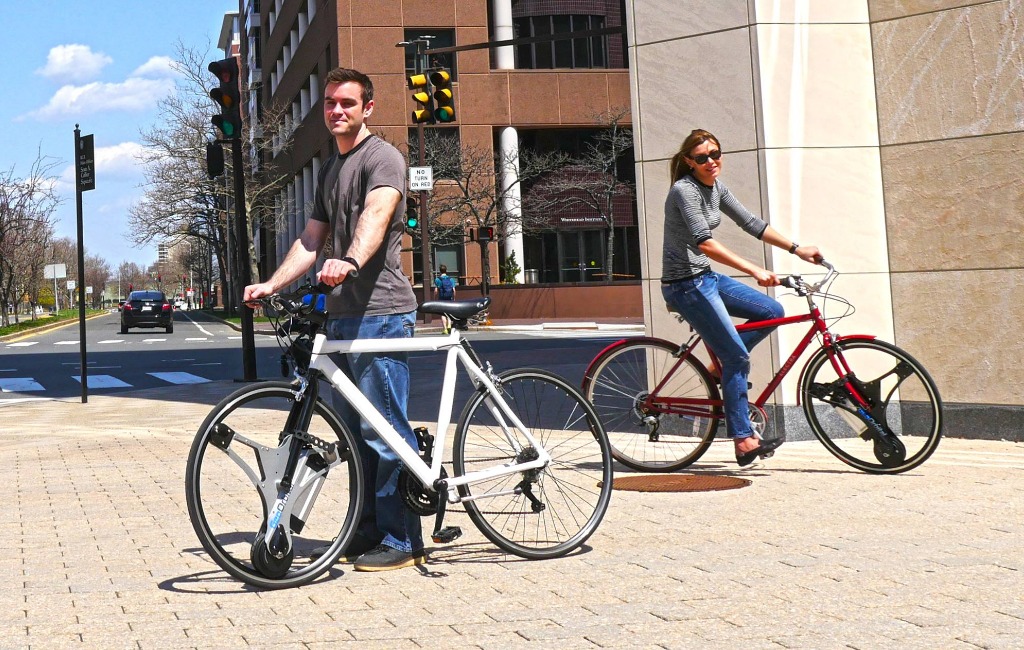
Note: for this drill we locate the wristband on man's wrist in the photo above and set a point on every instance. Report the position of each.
(352, 261)
(792, 249)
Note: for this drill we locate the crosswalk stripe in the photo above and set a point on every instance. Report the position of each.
(179, 377)
(102, 381)
(19, 385)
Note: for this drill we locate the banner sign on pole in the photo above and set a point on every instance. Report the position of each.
(86, 164)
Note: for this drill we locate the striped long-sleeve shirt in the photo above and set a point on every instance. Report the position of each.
(692, 211)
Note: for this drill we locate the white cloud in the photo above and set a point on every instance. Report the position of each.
(159, 67)
(74, 62)
(134, 94)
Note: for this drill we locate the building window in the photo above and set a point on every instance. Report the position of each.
(591, 52)
(441, 151)
(437, 38)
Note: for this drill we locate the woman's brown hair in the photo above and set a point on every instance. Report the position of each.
(678, 167)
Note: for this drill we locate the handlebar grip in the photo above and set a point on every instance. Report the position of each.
(790, 282)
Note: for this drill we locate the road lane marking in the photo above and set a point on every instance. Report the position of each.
(23, 344)
(66, 343)
(153, 340)
(113, 341)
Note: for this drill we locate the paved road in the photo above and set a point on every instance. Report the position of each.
(99, 553)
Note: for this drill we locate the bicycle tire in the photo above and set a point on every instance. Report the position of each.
(575, 487)
(646, 438)
(229, 512)
(906, 404)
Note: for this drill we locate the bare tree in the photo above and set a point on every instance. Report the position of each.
(180, 201)
(26, 209)
(589, 183)
(469, 191)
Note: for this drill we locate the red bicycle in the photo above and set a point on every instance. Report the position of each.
(870, 403)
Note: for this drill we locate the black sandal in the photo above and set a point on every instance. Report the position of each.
(766, 447)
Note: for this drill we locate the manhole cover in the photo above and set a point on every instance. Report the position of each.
(678, 483)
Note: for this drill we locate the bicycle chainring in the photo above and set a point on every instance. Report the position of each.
(417, 497)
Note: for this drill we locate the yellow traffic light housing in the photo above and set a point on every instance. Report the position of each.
(444, 96)
(424, 113)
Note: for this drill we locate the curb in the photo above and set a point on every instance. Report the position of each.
(42, 329)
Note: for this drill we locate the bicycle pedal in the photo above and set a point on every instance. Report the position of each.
(446, 535)
(769, 454)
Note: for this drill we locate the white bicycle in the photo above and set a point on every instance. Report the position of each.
(274, 472)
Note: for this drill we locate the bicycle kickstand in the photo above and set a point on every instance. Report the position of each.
(448, 534)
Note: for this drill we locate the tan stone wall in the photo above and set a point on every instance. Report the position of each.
(950, 84)
(889, 132)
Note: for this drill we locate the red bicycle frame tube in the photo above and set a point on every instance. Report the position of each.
(705, 407)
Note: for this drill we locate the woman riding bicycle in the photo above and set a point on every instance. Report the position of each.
(707, 299)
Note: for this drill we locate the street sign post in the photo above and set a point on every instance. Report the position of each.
(85, 180)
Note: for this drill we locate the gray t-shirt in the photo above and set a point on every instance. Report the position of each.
(343, 184)
(692, 211)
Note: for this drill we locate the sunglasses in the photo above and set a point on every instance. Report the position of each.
(702, 158)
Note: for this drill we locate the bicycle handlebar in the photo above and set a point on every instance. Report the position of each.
(803, 287)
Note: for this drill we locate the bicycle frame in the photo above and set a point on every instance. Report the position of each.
(706, 407)
(429, 476)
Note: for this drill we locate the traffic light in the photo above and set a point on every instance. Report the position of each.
(444, 96)
(227, 96)
(420, 86)
(412, 213)
(214, 160)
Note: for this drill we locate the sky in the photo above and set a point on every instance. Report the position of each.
(101, 64)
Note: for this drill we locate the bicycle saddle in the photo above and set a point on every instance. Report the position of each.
(457, 309)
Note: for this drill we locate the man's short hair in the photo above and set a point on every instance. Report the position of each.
(345, 75)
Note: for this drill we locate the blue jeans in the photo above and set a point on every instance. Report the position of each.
(384, 379)
(708, 302)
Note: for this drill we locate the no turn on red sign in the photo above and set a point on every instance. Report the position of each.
(421, 178)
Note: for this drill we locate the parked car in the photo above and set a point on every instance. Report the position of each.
(147, 309)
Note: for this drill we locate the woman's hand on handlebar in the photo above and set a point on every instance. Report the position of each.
(809, 254)
(765, 278)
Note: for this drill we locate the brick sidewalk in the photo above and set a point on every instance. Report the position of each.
(811, 555)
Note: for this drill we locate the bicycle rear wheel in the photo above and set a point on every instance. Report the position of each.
(653, 435)
(230, 487)
(904, 402)
(574, 488)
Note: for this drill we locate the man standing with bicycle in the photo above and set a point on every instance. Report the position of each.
(357, 226)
